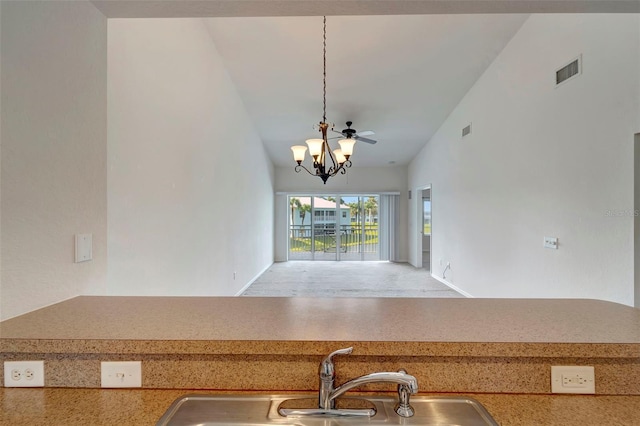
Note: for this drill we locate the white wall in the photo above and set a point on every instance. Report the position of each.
(1, 317)
(53, 164)
(358, 180)
(636, 219)
(190, 188)
(541, 161)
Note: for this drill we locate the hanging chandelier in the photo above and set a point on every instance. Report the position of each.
(326, 163)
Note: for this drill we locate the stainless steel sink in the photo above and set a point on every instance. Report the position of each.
(213, 410)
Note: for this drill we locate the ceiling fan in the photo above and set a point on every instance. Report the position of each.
(350, 133)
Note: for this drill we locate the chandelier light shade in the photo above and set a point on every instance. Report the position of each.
(298, 153)
(326, 163)
(347, 147)
(315, 147)
(340, 158)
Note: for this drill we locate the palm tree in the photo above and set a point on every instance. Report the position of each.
(355, 209)
(294, 203)
(304, 209)
(371, 207)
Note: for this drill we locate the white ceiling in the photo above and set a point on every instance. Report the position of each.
(397, 67)
(203, 8)
(400, 76)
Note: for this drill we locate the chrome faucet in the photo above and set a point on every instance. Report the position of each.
(407, 384)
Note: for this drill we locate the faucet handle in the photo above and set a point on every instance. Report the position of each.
(326, 366)
(345, 351)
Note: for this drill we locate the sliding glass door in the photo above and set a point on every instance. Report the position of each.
(333, 227)
(301, 241)
(360, 237)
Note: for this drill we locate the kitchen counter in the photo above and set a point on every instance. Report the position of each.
(245, 325)
(275, 344)
(97, 407)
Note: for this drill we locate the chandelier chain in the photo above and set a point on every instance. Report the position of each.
(324, 71)
(321, 153)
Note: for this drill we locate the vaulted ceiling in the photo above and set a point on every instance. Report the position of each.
(400, 76)
(397, 67)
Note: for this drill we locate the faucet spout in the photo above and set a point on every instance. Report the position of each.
(407, 384)
(399, 378)
(327, 378)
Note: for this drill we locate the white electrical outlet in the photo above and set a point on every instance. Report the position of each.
(121, 374)
(24, 374)
(573, 379)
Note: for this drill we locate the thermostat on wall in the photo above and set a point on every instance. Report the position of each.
(551, 242)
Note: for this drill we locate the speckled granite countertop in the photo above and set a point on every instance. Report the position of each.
(487, 327)
(144, 407)
(172, 332)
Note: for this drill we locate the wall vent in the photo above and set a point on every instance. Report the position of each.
(569, 71)
(466, 131)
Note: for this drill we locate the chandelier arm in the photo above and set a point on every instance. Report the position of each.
(327, 149)
(335, 167)
(301, 167)
(343, 168)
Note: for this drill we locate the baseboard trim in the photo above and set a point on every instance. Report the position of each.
(243, 289)
(451, 286)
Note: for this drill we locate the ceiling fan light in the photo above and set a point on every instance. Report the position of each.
(298, 152)
(315, 146)
(340, 158)
(347, 147)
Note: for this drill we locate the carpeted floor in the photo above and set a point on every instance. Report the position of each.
(347, 279)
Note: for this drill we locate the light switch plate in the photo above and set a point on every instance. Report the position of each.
(84, 247)
(121, 374)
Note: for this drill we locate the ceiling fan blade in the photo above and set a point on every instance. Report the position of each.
(365, 140)
(366, 133)
(338, 132)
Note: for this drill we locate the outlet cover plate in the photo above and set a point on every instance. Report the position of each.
(24, 374)
(121, 374)
(573, 379)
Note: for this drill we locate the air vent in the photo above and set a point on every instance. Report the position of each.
(466, 131)
(573, 69)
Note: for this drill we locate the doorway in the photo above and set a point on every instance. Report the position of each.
(333, 227)
(425, 227)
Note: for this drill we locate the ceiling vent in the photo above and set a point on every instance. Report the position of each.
(569, 71)
(466, 131)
